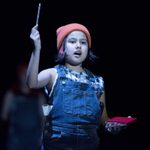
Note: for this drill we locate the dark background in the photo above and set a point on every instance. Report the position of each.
(120, 37)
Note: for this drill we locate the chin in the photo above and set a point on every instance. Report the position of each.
(75, 62)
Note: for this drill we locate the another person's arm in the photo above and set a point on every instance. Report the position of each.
(7, 100)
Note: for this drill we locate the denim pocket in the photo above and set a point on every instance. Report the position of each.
(80, 103)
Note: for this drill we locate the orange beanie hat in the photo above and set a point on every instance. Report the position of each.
(63, 31)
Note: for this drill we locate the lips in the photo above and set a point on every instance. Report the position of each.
(77, 53)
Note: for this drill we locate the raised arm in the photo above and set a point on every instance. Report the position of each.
(34, 78)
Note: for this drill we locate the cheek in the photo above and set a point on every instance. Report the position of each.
(85, 53)
(67, 52)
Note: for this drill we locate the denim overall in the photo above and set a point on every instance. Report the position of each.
(73, 121)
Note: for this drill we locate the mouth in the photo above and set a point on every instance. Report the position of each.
(77, 53)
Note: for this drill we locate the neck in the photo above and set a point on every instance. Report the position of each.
(77, 68)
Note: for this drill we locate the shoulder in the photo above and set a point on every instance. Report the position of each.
(58, 67)
(48, 72)
(56, 70)
(98, 80)
(97, 77)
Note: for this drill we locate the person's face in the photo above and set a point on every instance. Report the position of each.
(76, 48)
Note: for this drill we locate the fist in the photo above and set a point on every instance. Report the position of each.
(35, 37)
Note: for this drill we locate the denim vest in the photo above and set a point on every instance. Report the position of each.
(75, 104)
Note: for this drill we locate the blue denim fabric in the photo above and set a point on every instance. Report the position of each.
(61, 140)
(25, 124)
(75, 116)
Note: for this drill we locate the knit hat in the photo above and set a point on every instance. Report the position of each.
(63, 31)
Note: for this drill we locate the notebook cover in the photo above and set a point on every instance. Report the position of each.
(126, 120)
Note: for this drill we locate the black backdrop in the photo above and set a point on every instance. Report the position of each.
(120, 37)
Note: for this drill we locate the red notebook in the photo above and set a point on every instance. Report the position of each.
(125, 120)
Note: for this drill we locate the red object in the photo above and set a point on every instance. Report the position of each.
(125, 120)
(63, 31)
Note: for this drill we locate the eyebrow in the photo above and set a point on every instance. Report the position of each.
(70, 38)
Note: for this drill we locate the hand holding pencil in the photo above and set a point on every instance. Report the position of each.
(35, 35)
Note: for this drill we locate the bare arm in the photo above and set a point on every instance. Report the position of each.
(34, 78)
(104, 114)
(112, 127)
(8, 97)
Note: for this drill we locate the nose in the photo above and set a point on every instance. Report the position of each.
(78, 45)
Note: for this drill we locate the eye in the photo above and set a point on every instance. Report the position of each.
(72, 41)
(84, 42)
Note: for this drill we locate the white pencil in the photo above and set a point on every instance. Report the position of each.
(38, 13)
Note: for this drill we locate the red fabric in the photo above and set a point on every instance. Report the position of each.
(63, 31)
(126, 120)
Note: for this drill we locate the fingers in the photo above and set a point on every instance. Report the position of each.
(35, 37)
(114, 127)
(35, 27)
(34, 33)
